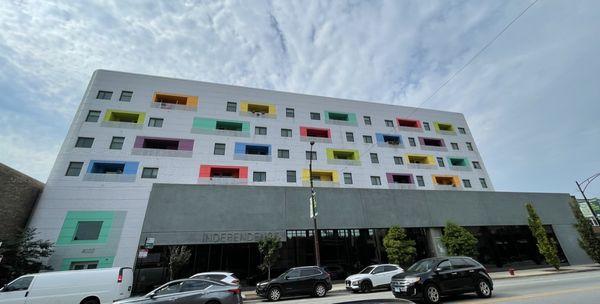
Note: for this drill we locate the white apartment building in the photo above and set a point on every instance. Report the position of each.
(132, 131)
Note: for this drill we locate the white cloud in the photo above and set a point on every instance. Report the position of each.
(530, 98)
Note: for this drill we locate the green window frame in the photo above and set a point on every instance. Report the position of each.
(72, 220)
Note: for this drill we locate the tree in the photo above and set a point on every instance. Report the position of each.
(269, 248)
(23, 254)
(399, 248)
(459, 241)
(178, 257)
(588, 240)
(546, 246)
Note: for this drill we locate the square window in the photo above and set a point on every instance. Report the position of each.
(286, 132)
(469, 146)
(367, 120)
(348, 178)
(150, 173)
(219, 149)
(426, 126)
(467, 183)
(106, 95)
(231, 106)
(87, 230)
(260, 131)
(367, 139)
(389, 123)
(374, 158)
(289, 112)
(291, 176)
(454, 146)
(310, 154)
(74, 169)
(375, 180)
(92, 116)
(476, 165)
(349, 137)
(398, 160)
(483, 183)
(155, 122)
(462, 130)
(411, 141)
(315, 116)
(117, 143)
(283, 153)
(259, 176)
(126, 96)
(84, 142)
(420, 181)
(440, 162)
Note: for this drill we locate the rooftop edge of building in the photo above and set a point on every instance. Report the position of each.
(99, 72)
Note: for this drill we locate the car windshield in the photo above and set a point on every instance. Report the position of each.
(421, 266)
(367, 270)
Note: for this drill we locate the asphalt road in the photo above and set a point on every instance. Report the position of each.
(579, 288)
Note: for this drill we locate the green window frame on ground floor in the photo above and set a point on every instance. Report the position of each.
(103, 262)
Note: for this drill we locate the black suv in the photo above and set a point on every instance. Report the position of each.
(432, 278)
(308, 280)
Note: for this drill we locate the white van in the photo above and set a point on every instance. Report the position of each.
(92, 286)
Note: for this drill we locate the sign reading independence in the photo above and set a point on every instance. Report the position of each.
(217, 237)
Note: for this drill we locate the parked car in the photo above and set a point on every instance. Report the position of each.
(336, 272)
(432, 278)
(91, 286)
(219, 276)
(374, 276)
(188, 291)
(307, 280)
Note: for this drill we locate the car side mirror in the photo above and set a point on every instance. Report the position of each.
(151, 295)
(438, 269)
(287, 277)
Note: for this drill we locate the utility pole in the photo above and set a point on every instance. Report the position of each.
(313, 202)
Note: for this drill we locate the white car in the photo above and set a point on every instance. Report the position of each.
(91, 286)
(225, 277)
(374, 276)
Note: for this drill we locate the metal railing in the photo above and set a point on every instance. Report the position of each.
(121, 124)
(161, 152)
(109, 177)
(172, 106)
(252, 157)
(222, 181)
(401, 186)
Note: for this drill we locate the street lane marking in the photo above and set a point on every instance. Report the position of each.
(538, 295)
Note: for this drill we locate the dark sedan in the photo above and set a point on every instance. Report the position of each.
(190, 291)
(430, 279)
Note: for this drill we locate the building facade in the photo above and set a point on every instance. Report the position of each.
(18, 196)
(134, 132)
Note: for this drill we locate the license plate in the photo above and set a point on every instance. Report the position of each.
(400, 289)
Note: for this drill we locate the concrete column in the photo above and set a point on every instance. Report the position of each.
(434, 240)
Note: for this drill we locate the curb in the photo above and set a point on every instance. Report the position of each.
(545, 274)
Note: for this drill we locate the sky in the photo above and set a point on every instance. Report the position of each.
(532, 99)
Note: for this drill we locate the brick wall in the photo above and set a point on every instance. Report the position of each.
(18, 195)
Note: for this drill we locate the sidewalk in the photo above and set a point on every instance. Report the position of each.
(499, 275)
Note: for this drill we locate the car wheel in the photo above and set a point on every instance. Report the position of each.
(320, 290)
(274, 294)
(432, 294)
(483, 289)
(366, 286)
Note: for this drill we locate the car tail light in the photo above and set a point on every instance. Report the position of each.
(235, 291)
(236, 281)
(120, 278)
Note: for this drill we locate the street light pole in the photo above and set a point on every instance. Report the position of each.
(314, 207)
(587, 182)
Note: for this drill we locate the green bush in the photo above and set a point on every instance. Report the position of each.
(588, 240)
(459, 241)
(399, 248)
(546, 246)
